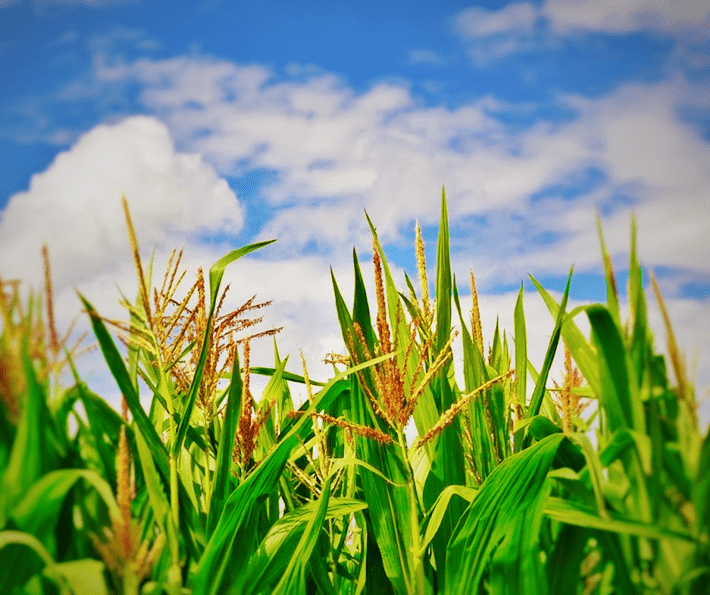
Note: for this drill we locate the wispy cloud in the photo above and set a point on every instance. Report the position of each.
(674, 17)
(480, 22)
(493, 34)
(426, 57)
(522, 27)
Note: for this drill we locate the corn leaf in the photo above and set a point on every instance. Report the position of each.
(221, 486)
(617, 395)
(294, 577)
(157, 498)
(515, 487)
(572, 513)
(536, 399)
(27, 461)
(582, 352)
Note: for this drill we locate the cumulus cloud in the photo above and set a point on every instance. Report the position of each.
(74, 206)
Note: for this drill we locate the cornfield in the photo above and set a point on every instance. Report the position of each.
(390, 478)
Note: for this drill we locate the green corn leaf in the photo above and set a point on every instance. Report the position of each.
(443, 281)
(294, 577)
(120, 373)
(432, 522)
(39, 513)
(499, 509)
(338, 464)
(103, 421)
(22, 556)
(582, 352)
(11, 536)
(281, 543)
(548, 408)
(188, 479)
(222, 562)
(284, 401)
(565, 562)
(612, 296)
(157, 449)
(361, 307)
(29, 454)
(538, 393)
(572, 513)
(540, 427)
(474, 366)
(448, 464)
(496, 359)
(290, 376)
(515, 567)
(277, 390)
(621, 441)
(221, 484)
(594, 471)
(521, 351)
(39, 509)
(619, 390)
(641, 337)
(157, 498)
(80, 576)
(475, 374)
(134, 351)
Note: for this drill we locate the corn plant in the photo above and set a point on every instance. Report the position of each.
(212, 490)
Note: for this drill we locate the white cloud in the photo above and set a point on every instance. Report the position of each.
(480, 22)
(675, 17)
(75, 204)
(493, 34)
(636, 136)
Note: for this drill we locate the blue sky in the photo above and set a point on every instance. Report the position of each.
(227, 123)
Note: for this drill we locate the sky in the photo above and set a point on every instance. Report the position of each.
(228, 123)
